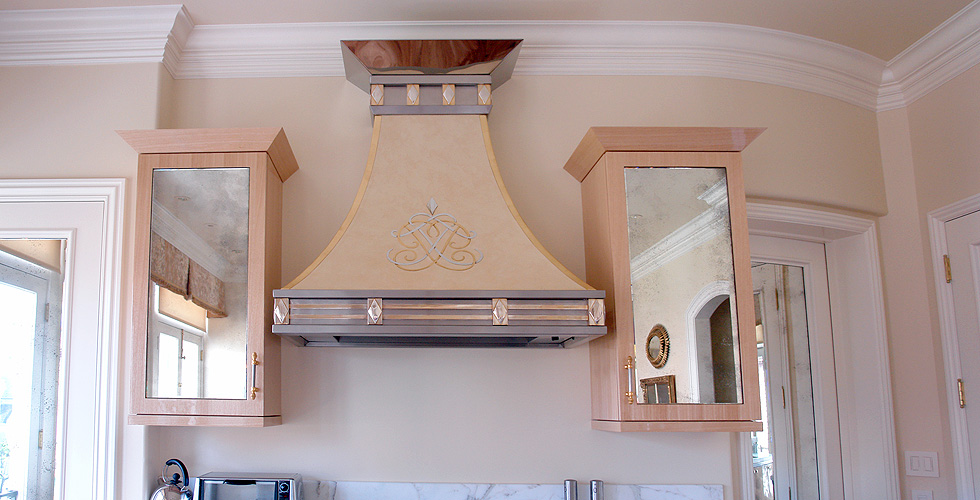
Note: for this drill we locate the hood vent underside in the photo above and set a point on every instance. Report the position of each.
(433, 252)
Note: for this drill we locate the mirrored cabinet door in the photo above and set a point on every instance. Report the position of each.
(682, 280)
(667, 239)
(207, 259)
(197, 319)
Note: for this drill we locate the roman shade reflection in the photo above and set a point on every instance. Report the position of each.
(172, 269)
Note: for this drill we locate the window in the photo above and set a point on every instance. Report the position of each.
(30, 343)
(177, 370)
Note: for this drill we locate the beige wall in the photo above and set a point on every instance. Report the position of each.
(443, 415)
(458, 411)
(60, 122)
(919, 395)
(944, 126)
(931, 158)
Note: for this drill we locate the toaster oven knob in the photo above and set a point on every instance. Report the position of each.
(284, 486)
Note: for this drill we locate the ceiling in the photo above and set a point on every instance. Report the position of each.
(881, 28)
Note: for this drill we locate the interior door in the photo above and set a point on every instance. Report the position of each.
(963, 247)
(29, 364)
(797, 377)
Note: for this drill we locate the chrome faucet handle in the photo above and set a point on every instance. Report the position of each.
(571, 489)
(595, 486)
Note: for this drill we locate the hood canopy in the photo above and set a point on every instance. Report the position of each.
(433, 251)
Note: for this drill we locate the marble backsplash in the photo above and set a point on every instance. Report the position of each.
(352, 490)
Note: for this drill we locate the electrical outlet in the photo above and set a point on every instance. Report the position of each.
(921, 494)
(922, 463)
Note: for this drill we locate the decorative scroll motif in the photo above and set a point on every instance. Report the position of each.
(433, 239)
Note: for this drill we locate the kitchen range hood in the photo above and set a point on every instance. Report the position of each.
(433, 251)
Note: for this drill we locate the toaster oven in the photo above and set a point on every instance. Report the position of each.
(248, 486)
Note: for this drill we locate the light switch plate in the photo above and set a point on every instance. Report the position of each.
(922, 463)
(921, 494)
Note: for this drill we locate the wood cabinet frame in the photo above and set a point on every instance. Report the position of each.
(599, 164)
(266, 153)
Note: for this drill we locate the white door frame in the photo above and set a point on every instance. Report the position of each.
(947, 331)
(867, 425)
(98, 476)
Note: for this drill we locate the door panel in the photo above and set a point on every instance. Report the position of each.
(963, 247)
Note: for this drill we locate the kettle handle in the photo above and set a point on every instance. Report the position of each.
(183, 471)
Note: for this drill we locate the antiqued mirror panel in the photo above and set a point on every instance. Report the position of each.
(196, 345)
(683, 285)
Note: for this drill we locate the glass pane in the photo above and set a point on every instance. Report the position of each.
(762, 461)
(217, 490)
(30, 352)
(190, 379)
(199, 255)
(682, 274)
(785, 452)
(168, 355)
(18, 310)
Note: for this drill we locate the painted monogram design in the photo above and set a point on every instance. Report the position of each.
(433, 239)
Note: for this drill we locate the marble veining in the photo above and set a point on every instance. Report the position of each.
(662, 492)
(354, 490)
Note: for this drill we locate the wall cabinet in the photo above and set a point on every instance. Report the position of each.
(207, 257)
(666, 236)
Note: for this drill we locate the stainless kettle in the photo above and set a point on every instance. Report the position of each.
(174, 488)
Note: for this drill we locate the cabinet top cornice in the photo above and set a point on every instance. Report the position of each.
(270, 140)
(600, 140)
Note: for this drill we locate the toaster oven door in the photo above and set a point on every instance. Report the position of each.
(237, 489)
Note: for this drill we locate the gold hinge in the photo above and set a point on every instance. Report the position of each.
(47, 312)
(40, 438)
(777, 298)
(949, 271)
(959, 385)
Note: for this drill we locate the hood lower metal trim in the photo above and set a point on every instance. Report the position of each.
(431, 318)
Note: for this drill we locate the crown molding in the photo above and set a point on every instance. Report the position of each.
(554, 48)
(945, 52)
(174, 47)
(88, 36)
(167, 34)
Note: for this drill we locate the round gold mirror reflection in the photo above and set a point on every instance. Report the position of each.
(658, 346)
